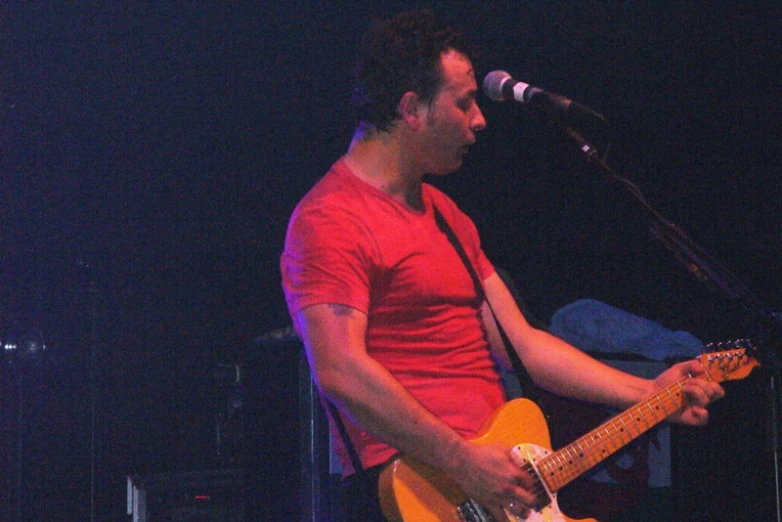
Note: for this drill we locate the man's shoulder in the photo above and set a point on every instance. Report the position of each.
(436, 195)
(331, 190)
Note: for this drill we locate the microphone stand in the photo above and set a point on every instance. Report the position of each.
(708, 271)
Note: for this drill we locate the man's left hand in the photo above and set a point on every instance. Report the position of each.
(698, 392)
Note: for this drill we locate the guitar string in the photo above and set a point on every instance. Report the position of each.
(574, 467)
(587, 459)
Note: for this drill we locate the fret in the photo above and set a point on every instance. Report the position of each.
(577, 464)
(641, 422)
(639, 418)
(552, 467)
(560, 463)
(654, 414)
(590, 456)
(568, 449)
(681, 389)
(581, 453)
(606, 448)
(662, 404)
(673, 398)
(621, 418)
(616, 430)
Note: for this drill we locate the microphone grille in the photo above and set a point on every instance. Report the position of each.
(492, 84)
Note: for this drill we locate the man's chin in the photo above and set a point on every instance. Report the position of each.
(456, 165)
(444, 170)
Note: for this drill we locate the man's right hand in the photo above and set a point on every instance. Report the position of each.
(489, 476)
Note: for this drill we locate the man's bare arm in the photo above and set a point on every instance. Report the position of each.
(559, 367)
(334, 337)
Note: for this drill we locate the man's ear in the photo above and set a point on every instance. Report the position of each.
(411, 110)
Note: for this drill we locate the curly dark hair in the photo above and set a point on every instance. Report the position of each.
(398, 55)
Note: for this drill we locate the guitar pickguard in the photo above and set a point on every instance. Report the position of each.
(531, 453)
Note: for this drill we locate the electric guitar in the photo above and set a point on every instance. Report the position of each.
(411, 491)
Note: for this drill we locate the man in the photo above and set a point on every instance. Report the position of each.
(394, 331)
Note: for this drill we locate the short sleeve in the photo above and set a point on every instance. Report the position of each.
(331, 265)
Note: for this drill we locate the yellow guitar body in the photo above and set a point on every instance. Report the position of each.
(414, 492)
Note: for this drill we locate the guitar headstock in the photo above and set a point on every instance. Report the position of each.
(728, 360)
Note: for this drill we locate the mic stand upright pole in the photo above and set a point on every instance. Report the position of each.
(707, 270)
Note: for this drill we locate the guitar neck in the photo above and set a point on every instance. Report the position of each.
(563, 466)
(566, 464)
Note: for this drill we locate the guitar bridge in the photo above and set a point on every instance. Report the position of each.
(472, 512)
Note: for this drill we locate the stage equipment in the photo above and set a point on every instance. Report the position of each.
(201, 496)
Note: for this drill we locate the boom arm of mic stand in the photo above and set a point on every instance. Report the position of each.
(696, 260)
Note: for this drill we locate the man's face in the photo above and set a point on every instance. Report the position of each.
(453, 117)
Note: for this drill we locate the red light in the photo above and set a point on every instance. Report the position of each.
(202, 497)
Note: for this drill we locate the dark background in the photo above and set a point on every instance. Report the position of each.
(152, 153)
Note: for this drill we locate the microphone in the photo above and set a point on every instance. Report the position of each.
(501, 86)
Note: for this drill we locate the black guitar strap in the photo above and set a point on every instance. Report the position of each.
(343, 433)
(527, 385)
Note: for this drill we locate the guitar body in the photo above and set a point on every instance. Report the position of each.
(414, 492)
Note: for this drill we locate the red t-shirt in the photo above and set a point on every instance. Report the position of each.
(349, 243)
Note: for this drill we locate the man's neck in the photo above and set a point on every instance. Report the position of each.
(376, 158)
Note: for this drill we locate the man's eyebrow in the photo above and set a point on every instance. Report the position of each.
(469, 95)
